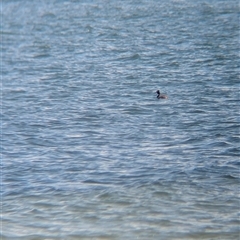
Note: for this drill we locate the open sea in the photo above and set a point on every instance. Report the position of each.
(88, 151)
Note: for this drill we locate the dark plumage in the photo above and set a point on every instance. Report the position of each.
(161, 96)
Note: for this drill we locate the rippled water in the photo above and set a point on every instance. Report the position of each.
(88, 151)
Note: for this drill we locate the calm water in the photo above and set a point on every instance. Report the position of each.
(88, 151)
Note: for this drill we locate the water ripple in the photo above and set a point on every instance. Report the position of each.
(87, 148)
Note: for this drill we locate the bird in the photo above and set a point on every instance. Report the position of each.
(161, 96)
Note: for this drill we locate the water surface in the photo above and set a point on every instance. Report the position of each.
(88, 152)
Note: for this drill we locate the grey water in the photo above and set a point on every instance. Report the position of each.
(88, 151)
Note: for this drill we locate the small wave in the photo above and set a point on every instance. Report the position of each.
(43, 55)
(131, 57)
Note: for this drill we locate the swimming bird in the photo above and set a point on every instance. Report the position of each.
(161, 96)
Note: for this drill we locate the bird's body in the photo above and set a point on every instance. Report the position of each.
(159, 96)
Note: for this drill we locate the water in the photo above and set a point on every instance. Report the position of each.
(88, 152)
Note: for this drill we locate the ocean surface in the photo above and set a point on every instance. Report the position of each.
(88, 151)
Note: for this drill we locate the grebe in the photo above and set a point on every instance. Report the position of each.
(161, 96)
